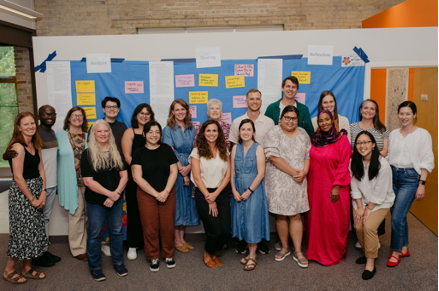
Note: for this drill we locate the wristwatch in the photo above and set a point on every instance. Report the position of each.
(422, 182)
(44, 189)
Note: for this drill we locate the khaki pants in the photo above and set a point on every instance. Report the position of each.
(78, 226)
(367, 233)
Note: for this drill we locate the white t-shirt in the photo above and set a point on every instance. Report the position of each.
(212, 170)
(263, 124)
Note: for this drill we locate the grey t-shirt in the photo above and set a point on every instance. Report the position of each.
(49, 153)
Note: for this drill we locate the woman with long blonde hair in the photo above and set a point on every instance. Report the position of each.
(105, 177)
(27, 197)
(179, 135)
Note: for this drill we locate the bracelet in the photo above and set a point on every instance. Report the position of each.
(422, 182)
(369, 208)
(44, 189)
(250, 190)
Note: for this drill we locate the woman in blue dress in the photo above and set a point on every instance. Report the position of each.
(179, 134)
(249, 207)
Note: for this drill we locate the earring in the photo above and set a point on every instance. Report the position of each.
(373, 148)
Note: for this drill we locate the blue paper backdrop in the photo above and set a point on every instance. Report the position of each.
(347, 83)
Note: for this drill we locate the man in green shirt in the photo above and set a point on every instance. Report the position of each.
(290, 86)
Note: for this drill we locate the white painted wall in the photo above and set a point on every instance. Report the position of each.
(18, 19)
(390, 47)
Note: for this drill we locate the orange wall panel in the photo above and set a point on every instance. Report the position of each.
(378, 90)
(412, 13)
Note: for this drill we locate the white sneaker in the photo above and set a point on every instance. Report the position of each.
(132, 254)
(106, 250)
(379, 244)
(358, 246)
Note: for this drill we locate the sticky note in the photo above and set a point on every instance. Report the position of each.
(90, 112)
(208, 57)
(234, 82)
(239, 102)
(184, 80)
(89, 125)
(210, 80)
(197, 97)
(226, 117)
(86, 99)
(133, 87)
(193, 111)
(301, 97)
(303, 77)
(85, 86)
(244, 70)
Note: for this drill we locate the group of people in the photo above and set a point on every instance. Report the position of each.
(229, 176)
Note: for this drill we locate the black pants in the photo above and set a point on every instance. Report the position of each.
(134, 225)
(217, 228)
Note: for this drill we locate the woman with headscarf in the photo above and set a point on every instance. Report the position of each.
(327, 221)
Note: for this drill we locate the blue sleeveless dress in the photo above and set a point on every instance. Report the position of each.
(250, 217)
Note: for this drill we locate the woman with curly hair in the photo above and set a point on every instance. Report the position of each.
(211, 174)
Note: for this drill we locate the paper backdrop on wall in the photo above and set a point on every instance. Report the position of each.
(345, 82)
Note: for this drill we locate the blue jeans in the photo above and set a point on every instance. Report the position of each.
(405, 184)
(97, 216)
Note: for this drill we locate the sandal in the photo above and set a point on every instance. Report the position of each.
(217, 260)
(210, 263)
(182, 249)
(245, 260)
(15, 279)
(301, 262)
(36, 276)
(251, 264)
(188, 245)
(281, 255)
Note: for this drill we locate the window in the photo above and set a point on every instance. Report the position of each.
(8, 98)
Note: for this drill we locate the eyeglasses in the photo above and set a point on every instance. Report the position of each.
(144, 114)
(49, 114)
(288, 118)
(114, 107)
(77, 115)
(358, 144)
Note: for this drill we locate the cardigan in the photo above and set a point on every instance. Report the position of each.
(273, 111)
(66, 173)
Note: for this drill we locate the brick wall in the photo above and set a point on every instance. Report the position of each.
(82, 17)
(24, 82)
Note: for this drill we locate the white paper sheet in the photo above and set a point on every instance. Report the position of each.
(320, 54)
(161, 84)
(208, 57)
(269, 81)
(59, 90)
(98, 63)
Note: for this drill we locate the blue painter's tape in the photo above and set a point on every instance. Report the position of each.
(42, 66)
(179, 60)
(116, 60)
(284, 57)
(361, 54)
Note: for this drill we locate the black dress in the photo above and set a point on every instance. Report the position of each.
(27, 234)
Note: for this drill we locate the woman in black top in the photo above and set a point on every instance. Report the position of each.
(155, 171)
(132, 139)
(27, 197)
(105, 177)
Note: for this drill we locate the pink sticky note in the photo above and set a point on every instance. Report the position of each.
(193, 111)
(184, 80)
(300, 97)
(133, 87)
(244, 70)
(239, 102)
(226, 117)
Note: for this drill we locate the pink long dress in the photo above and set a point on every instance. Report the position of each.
(327, 223)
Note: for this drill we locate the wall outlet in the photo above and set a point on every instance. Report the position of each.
(424, 97)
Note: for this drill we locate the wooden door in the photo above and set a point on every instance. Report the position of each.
(425, 82)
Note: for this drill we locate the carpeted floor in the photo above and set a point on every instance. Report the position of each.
(418, 272)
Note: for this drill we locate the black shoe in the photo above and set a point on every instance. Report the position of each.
(361, 261)
(170, 263)
(263, 247)
(97, 275)
(154, 265)
(367, 275)
(242, 247)
(121, 270)
(43, 261)
(54, 258)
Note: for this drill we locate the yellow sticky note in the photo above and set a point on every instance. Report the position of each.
(303, 77)
(210, 80)
(198, 97)
(90, 112)
(235, 82)
(85, 86)
(89, 125)
(86, 99)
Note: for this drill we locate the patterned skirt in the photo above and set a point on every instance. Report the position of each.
(27, 235)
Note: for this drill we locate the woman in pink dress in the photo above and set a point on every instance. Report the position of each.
(327, 221)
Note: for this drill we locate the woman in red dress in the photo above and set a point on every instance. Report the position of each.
(327, 221)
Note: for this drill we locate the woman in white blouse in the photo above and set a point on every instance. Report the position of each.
(210, 175)
(372, 196)
(411, 158)
(327, 102)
